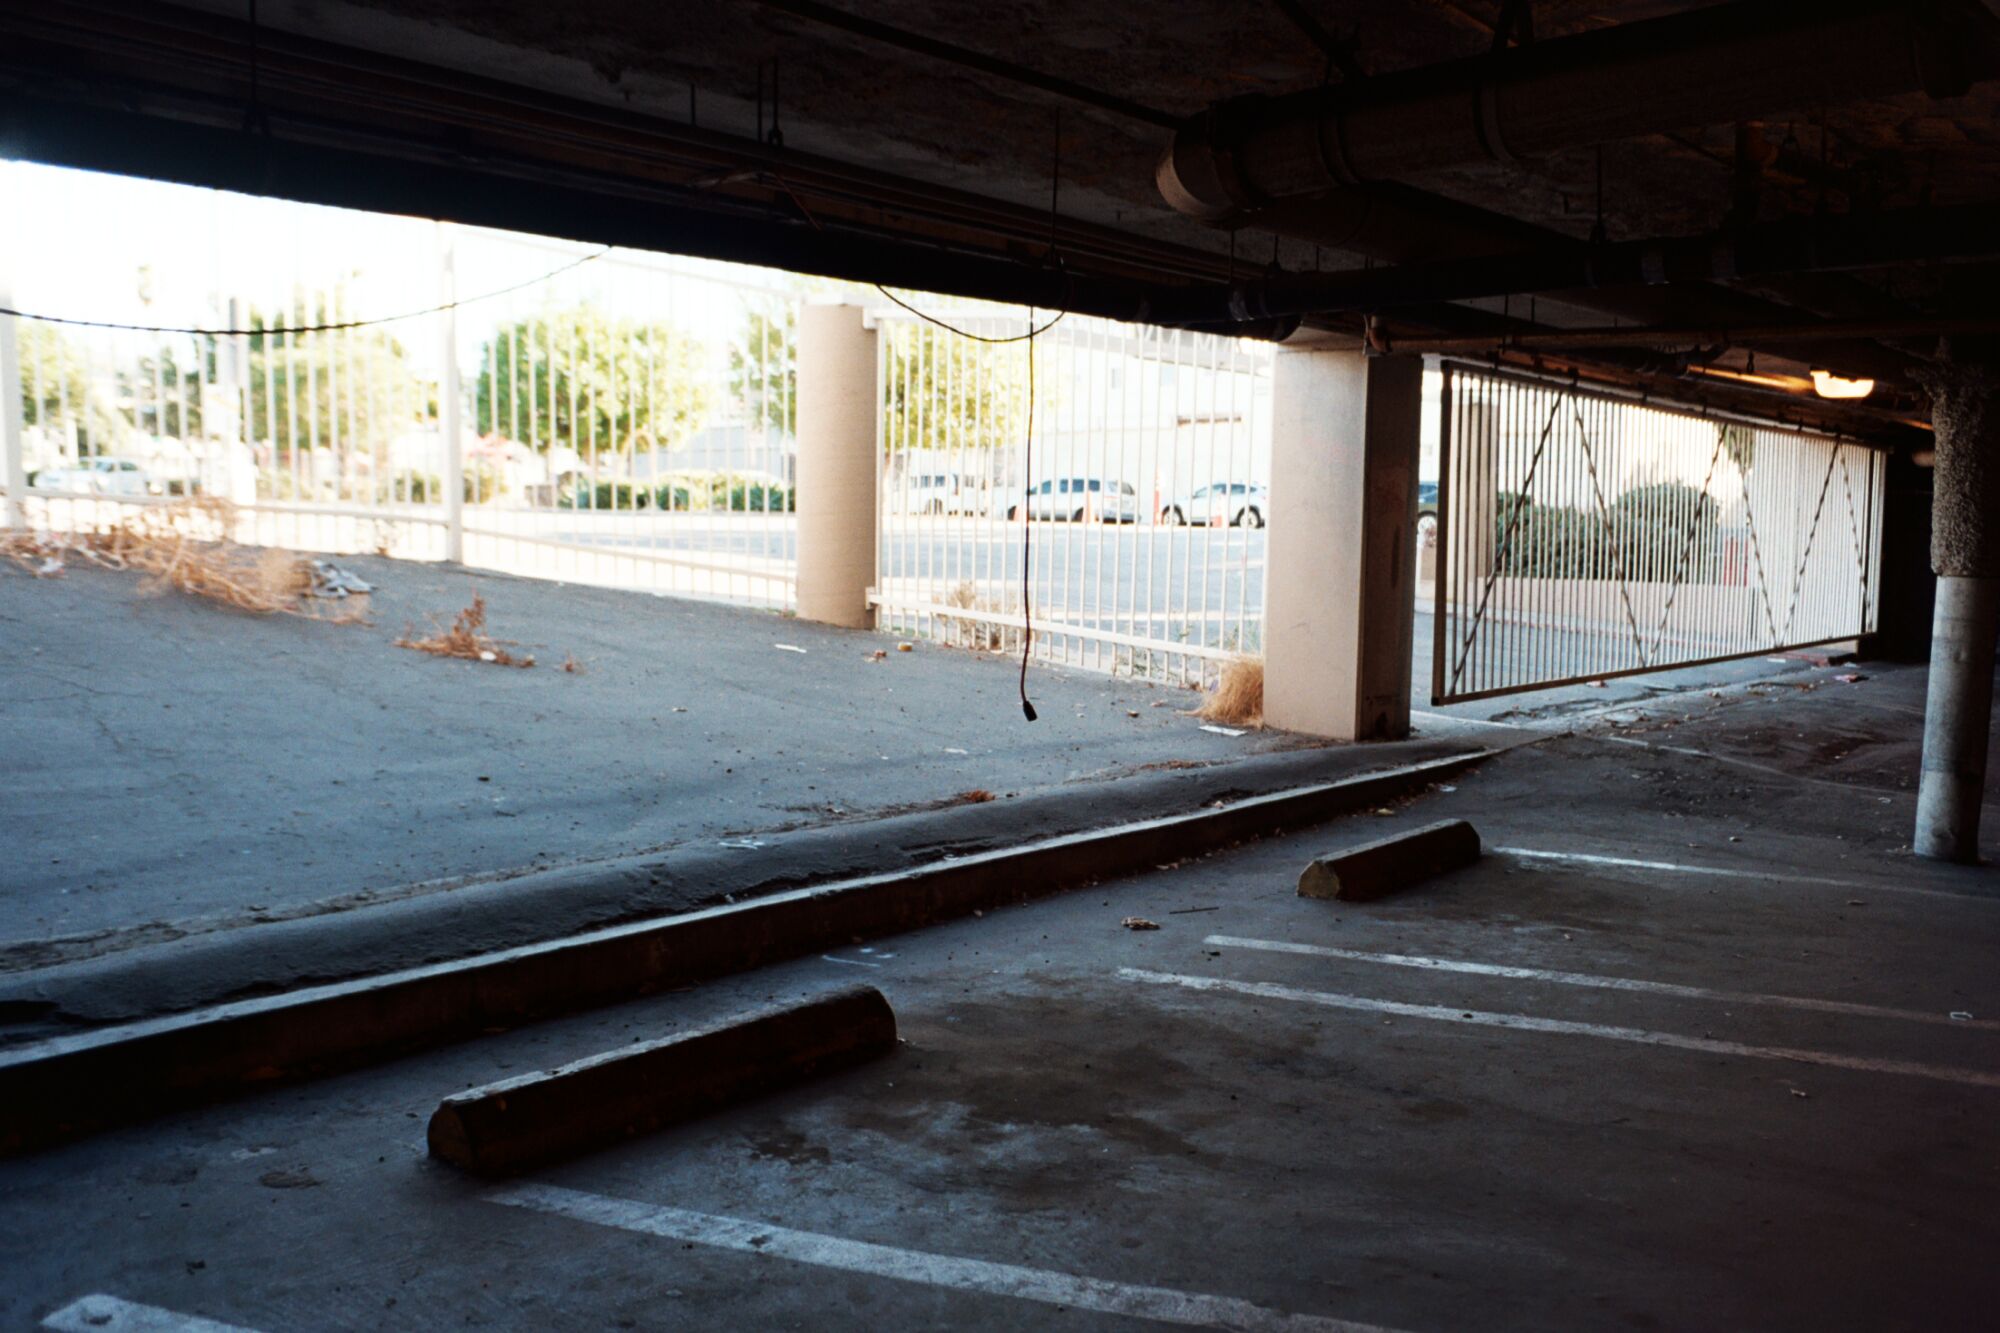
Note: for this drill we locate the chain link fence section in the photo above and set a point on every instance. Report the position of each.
(1584, 536)
(1139, 509)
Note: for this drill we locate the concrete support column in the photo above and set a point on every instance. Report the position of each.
(1964, 383)
(1339, 599)
(838, 410)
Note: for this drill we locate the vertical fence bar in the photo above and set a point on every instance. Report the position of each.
(13, 452)
(449, 398)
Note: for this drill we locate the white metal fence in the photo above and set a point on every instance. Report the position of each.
(597, 417)
(1586, 536)
(1138, 500)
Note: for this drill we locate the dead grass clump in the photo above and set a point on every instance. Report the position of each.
(185, 546)
(1238, 698)
(965, 632)
(974, 796)
(467, 638)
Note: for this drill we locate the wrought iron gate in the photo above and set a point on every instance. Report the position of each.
(1583, 536)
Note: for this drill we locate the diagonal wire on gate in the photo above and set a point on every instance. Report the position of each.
(1687, 543)
(1854, 530)
(1506, 542)
(1757, 554)
(1805, 557)
(1610, 535)
(579, 262)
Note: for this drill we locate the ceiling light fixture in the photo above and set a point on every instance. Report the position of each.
(1829, 385)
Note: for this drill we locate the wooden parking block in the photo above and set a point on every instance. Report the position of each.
(1375, 869)
(592, 1103)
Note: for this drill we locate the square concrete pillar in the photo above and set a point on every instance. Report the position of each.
(839, 401)
(1340, 601)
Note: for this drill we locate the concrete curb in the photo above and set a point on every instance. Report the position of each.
(488, 917)
(67, 1086)
(1376, 869)
(543, 1117)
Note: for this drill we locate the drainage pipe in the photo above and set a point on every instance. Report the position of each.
(1724, 63)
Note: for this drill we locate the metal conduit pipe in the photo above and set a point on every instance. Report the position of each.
(1727, 62)
(1810, 245)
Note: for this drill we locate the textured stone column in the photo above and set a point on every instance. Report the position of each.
(1964, 383)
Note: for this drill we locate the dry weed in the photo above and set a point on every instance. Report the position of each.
(974, 796)
(467, 638)
(1238, 699)
(185, 546)
(965, 632)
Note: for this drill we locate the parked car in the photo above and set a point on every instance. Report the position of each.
(939, 493)
(1078, 499)
(1237, 503)
(1427, 513)
(100, 476)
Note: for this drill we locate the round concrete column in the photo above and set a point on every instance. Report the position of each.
(837, 409)
(1964, 383)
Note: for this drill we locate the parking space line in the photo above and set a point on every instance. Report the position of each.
(1531, 1023)
(1724, 872)
(1605, 983)
(108, 1314)
(1047, 1287)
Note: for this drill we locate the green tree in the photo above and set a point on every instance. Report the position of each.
(160, 398)
(57, 391)
(351, 390)
(763, 371)
(593, 381)
(941, 391)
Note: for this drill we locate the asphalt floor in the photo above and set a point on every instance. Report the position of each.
(1697, 1044)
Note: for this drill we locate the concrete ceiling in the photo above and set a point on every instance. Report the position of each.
(920, 123)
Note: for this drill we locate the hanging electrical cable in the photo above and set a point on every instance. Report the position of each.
(307, 328)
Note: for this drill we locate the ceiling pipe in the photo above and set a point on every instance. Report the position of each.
(1692, 335)
(1723, 63)
(1807, 245)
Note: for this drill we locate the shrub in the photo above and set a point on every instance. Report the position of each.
(619, 495)
(417, 488)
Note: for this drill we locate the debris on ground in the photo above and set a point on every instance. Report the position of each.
(1238, 696)
(974, 796)
(1851, 678)
(332, 582)
(788, 648)
(879, 655)
(906, 647)
(467, 639)
(1226, 731)
(571, 665)
(186, 545)
(288, 1180)
(1960, 1016)
(1184, 911)
(1139, 923)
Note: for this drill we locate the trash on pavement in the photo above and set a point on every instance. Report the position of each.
(1139, 923)
(330, 580)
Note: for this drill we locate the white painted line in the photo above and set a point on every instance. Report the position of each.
(1674, 867)
(1530, 1023)
(108, 1314)
(1941, 1017)
(933, 1270)
(1422, 716)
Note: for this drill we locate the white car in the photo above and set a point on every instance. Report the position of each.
(100, 476)
(939, 493)
(1081, 499)
(1238, 503)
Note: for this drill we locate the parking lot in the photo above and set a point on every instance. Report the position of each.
(1695, 1045)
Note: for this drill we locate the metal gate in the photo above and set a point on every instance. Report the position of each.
(1583, 536)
